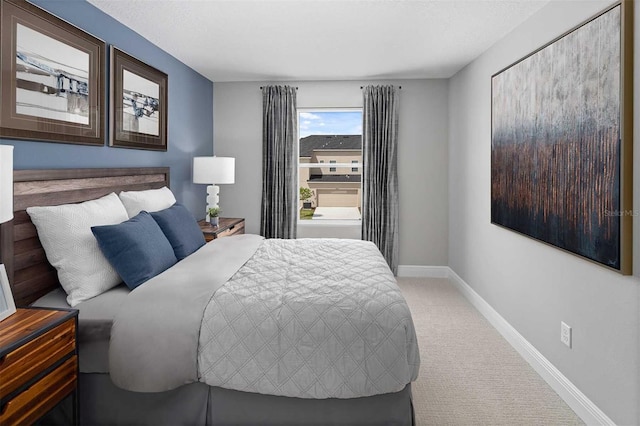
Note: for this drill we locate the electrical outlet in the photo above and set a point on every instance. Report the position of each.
(565, 334)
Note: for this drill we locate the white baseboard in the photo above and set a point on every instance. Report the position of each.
(574, 398)
(423, 271)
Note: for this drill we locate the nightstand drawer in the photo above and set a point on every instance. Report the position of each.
(29, 360)
(233, 230)
(227, 227)
(42, 396)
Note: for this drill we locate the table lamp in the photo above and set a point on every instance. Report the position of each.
(213, 171)
(6, 183)
(7, 304)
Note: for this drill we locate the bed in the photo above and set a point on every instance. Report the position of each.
(199, 388)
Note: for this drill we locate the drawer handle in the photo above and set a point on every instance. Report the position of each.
(231, 227)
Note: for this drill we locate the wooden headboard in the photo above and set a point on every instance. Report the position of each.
(30, 274)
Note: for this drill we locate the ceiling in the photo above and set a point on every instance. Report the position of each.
(297, 40)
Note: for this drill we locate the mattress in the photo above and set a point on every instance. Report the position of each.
(95, 319)
(303, 318)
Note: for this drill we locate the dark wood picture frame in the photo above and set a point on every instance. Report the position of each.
(131, 108)
(49, 94)
(562, 138)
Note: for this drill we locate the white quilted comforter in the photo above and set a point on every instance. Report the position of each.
(310, 318)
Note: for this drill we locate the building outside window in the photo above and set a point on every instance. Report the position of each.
(330, 193)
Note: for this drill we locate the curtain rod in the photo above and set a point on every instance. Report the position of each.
(261, 87)
(399, 87)
(361, 87)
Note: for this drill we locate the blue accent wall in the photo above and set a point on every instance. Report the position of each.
(190, 112)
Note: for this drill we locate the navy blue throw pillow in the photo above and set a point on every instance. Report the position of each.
(137, 248)
(181, 229)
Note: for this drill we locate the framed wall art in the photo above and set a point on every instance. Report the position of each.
(138, 104)
(7, 304)
(52, 79)
(562, 138)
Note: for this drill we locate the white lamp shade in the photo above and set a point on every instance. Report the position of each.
(210, 170)
(6, 183)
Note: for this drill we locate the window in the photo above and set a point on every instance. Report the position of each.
(329, 161)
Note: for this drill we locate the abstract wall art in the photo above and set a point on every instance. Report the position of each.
(561, 141)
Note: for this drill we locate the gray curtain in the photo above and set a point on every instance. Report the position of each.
(279, 162)
(380, 170)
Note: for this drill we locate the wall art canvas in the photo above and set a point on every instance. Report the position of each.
(7, 304)
(561, 141)
(138, 104)
(52, 78)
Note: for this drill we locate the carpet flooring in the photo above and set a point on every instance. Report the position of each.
(469, 374)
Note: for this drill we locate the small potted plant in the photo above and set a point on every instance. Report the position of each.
(214, 212)
(305, 194)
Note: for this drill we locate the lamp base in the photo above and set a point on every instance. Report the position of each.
(213, 198)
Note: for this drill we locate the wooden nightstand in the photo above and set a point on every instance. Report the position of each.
(38, 364)
(227, 226)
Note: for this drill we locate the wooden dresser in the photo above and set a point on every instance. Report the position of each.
(38, 364)
(227, 227)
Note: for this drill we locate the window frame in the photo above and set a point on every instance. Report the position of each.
(321, 163)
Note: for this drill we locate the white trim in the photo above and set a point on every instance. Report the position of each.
(423, 271)
(574, 398)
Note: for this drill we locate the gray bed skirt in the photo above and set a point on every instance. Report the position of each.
(102, 403)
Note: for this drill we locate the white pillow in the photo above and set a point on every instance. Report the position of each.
(65, 234)
(152, 200)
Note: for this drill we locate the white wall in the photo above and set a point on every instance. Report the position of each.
(422, 156)
(532, 285)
